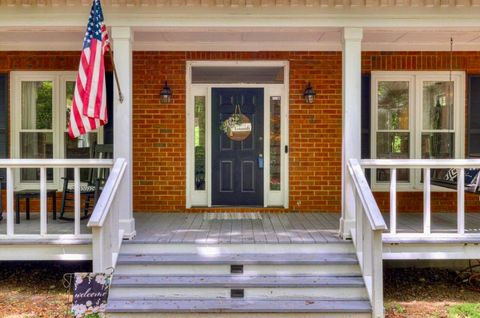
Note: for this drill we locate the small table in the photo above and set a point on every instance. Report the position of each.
(30, 194)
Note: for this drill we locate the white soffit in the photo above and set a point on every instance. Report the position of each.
(249, 39)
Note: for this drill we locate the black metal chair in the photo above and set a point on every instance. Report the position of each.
(90, 188)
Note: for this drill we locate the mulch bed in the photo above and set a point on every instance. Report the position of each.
(35, 289)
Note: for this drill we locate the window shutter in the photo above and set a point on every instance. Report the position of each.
(365, 138)
(3, 120)
(108, 129)
(366, 130)
(473, 126)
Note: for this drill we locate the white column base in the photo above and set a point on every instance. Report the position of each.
(128, 228)
(345, 228)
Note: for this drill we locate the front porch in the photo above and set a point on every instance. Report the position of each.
(248, 228)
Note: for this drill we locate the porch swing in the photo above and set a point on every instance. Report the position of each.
(448, 178)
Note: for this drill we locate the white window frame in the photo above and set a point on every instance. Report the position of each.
(58, 78)
(416, 79)
(202, 198)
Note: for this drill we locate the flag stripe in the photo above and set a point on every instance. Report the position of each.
(89, 107)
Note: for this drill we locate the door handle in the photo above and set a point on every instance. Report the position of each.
(260, 161)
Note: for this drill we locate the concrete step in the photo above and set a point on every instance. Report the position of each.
(236, 281)
(345, 307)
(206, 269)
(133, 247)
(252, 287)
(241, 259)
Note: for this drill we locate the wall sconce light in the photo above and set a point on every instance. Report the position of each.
(165, 94)
(309, 94)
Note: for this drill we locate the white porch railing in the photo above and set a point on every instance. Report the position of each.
(106, 235)
(105, 221)
(367, 236)
(426, 165)
(12, 165)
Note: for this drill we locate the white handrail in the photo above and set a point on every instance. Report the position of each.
(109, 191)
(420, 163)
(367, 235)
(56, 163)
(366, 196)
(105, 221)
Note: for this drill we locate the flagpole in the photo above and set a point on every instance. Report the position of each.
(120, 95)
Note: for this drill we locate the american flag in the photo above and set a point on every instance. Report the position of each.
(89, 108)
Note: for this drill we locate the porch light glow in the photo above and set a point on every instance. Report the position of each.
(165, 94)
(309, 94)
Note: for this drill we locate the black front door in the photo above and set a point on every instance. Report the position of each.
(237, 166)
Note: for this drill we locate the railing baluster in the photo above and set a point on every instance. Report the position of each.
(426, 202)
(10, 211)
(461, 201)
(77, 200)
(367, 248)
(358, 223)
(377, 274)
(393, 201)
(43, 201)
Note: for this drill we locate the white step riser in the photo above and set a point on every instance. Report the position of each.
(247, 270)
(250, 293)
(146, 248)
(239, 315)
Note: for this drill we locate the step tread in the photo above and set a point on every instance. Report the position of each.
(244, 259)
(239, 305)
(236, 281)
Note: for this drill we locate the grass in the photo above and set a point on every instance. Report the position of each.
(464, 311)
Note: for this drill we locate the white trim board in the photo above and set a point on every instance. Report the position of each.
(286, 16)
(203, 198)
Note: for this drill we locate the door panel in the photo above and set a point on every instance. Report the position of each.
(237, 175)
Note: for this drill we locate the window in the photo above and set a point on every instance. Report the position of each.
(416, 115)
(41, 103)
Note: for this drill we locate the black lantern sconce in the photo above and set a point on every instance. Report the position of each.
(166, 94)
(309, 94)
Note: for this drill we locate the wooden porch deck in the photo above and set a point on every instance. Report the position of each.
(260, 228)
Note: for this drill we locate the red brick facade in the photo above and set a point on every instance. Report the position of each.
(315, 130)
(159, 130)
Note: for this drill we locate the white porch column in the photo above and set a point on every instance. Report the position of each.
(351, 123)
(122, 38)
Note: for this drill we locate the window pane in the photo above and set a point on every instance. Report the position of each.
(69, 89)
(275, 141)
(237, 74)
(438, 145)
(199, 138)
(393, 146)
(393, 98)
(37, 105)
(438, 105)
(35, 145)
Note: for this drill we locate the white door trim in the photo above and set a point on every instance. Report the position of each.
(203, 198)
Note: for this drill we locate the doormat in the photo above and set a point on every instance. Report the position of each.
(232, 216)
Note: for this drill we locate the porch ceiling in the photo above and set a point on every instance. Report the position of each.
(250, 39)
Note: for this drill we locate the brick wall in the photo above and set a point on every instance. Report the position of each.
(159, 130)
(468, 62)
